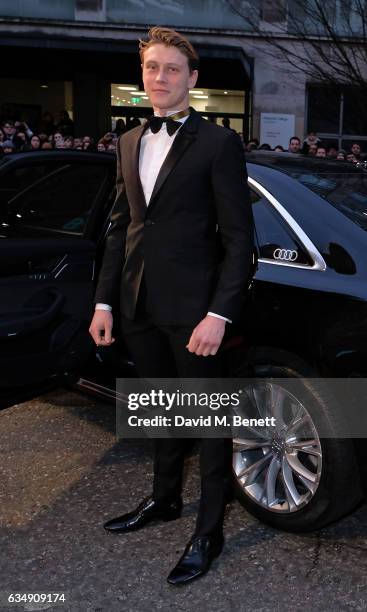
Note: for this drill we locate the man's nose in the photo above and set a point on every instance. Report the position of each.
(160, 75)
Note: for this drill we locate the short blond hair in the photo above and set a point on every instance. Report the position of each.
(170, 38)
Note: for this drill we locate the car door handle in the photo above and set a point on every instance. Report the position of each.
(33, 317)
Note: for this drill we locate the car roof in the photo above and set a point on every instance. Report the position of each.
(291, 163)
(60, 154)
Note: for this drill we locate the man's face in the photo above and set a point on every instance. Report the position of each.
(321, 152)
(9, 129)
(167, 78)
(356, 149)
(294, 145)
(312, 149)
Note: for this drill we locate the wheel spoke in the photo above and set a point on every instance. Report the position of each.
(299, 468)
(311, 486)
(243, 444)
(271, 481)
(276, 404)
(299, 421)
(252, 471)
(289, 484)
(310, 447)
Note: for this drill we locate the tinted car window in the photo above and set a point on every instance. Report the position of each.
(346, 191)
(60, 203)
(275, 239)
(14, 180)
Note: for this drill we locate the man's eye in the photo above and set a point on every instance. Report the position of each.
(173, 69)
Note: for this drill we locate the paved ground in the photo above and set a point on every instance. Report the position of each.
(63, 475)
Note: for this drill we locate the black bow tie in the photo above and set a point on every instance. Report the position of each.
(155, 123)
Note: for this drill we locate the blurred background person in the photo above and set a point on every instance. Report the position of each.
(294, 145)
(69, 142)
(88, 144)
(356, 150)
(120, 127)
(312, 149)
(321, 152)
(311, 139)
(65, 125)
(35, 143)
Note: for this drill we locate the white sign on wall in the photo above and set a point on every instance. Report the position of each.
(276, 129)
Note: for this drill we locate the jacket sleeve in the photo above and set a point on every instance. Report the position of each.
(235, 224)
(108, 285)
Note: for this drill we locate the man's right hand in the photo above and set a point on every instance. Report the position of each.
(101, 328)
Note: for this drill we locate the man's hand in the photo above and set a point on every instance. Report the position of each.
(206, 338)
(101, 328)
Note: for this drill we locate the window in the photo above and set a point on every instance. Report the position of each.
(60, 203)
(275, 238)
(323, 109)
(273, 11)
(13, 181)
(337, 112)
(347, 191)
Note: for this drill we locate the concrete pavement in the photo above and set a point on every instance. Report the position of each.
(63, 474)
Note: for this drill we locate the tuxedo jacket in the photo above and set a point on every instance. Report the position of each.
(194, 241)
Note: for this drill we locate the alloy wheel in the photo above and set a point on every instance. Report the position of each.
(277, 467)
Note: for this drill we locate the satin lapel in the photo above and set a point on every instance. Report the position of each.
(183, 140)
(134, 175)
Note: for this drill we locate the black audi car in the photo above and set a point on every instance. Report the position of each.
(305, 316)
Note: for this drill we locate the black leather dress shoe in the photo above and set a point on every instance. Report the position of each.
(196, 559)
(147, 511)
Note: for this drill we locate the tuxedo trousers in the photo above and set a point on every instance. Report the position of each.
(159, 351)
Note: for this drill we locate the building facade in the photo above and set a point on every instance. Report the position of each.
(82, 56)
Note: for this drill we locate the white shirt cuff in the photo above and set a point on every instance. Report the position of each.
(103, 307)
(212, 314)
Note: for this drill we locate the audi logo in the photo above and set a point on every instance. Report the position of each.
(285, 254)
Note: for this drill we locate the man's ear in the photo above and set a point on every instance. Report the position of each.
(193, 78)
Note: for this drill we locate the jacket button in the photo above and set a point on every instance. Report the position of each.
(148, 223)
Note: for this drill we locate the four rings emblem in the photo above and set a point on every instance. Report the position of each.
(285, 254)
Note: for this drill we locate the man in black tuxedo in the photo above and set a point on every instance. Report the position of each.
(179, 251)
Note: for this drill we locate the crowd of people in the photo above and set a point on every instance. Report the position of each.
(17, 136)
(314, 147)
(50, 134)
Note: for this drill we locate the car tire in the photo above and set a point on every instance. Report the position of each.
(338, 488)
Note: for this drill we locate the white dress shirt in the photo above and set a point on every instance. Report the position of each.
(153, 151)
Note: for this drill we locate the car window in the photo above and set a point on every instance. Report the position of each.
(275, 239)
(14, 180)
(59, 203)
(346, 191)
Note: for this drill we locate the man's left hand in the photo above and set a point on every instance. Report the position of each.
(207, 336)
